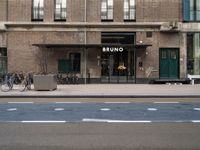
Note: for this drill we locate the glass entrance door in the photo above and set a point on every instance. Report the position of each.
(117, 67)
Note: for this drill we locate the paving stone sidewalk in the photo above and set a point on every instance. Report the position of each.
(111, 90)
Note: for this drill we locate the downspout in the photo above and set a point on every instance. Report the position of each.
(7, 10)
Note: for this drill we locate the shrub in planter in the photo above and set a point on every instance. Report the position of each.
(44, 81)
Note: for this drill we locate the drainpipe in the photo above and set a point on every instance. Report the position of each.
(85, 30)
(7, 10)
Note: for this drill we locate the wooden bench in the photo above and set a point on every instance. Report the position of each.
(192, 78)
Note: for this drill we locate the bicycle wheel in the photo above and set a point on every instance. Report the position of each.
(5, 87)
(22, 86)
(29, 86)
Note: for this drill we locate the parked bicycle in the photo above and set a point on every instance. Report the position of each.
(7, 83)
(69, 78)
(26, 83)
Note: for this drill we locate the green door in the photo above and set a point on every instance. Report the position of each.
(64, 66)
(169, 63)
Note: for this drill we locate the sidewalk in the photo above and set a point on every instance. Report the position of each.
(111, 90)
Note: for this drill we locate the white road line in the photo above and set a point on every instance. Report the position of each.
(129, 121)
(68, 102)
(12, 109)
(44, 121)
(59, 109)
(20, 102)
(166, 102)
(105, 109)
(115, 121)
(195, 121)
(198, 109)
(117, 102)
(152, 109)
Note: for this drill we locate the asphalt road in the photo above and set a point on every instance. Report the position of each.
(101, 125)
(63, 112)
(100, 136)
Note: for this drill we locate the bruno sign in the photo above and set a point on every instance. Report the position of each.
(112, 49)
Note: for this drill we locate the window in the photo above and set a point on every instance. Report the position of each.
(129, 10)
(38, 10)
(164, 54)
(193, 53)
(3, 61)
(75, 62)
(60, 10)
(107, 10)
(149, 34)
(191, 10)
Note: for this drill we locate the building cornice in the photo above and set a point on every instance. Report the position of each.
(191, 27)
(84, 25)
(98, 26)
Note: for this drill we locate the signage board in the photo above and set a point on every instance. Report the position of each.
(112, 49)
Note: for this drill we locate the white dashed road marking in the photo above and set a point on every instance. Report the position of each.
(68, 102)
(152, 109)
(166, 102)
(12, 109)
(198, 109)
(41, 121)
(20, 102)
(117, 102)
(59, 109)
(115, 121)
(105, 109)
(196, 121)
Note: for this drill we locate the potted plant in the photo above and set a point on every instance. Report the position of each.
(44, 81)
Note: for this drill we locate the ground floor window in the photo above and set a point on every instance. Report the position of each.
(75, 59)
(3, 61)
(193, 53)
(71, 65)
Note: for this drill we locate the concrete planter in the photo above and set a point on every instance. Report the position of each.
(45, 82)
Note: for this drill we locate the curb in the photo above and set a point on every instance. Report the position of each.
(100, 96)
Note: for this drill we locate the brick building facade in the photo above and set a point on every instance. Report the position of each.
(76, 40)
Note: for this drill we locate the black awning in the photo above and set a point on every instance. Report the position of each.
(134, 46)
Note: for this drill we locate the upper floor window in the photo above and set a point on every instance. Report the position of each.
(191, 10)
(60, 10)
(129, 10)
(38, 10)
(106, 10)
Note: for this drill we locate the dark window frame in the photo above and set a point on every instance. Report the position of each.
(108, 8)
(74, 61)
(130, 8)
(3, 61)
(62, 9)
(196, 11)
(191, 58)
(40, 17)
(149, 34)
(191, 13)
